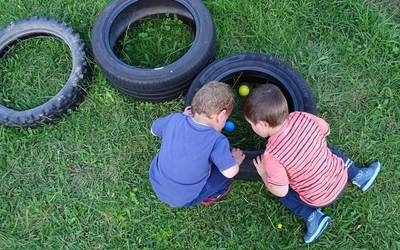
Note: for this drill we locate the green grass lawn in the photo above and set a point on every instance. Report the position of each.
(82, 182)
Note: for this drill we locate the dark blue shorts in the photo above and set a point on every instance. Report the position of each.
(216, 184)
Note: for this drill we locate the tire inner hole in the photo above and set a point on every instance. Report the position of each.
(32, 71)
(243, 136)
(154, 41)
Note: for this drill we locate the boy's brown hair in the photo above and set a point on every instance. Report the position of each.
(266, 103)
(213, 98)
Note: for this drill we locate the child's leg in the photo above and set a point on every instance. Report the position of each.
(316, 221)
(352, 167)
(216, 186)
(293, 202)
(361, 177)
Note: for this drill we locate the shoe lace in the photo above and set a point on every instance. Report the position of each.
(358, 175)
(312, 215)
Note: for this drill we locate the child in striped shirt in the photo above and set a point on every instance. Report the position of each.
(298, 166)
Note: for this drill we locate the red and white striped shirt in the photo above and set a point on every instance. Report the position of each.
(298, 156)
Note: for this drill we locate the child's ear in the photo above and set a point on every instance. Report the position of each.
(222, 114)
(262, 125)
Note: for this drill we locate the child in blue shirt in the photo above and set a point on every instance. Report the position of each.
(195, 163)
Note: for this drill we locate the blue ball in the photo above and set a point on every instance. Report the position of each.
(229, 126)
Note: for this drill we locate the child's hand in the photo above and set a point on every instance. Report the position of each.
(258, 163)
(188, 111)
(238, 155)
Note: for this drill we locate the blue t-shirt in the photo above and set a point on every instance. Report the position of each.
(182, 166)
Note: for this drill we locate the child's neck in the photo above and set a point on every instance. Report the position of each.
(203, 119)
(274, 130)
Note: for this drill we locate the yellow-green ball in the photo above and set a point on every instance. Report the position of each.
(244, 90)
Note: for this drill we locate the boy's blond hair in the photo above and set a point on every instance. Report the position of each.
(266, 103)
(213, 98)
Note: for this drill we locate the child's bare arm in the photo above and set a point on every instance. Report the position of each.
(280, 191)
(231, 172)
(277, 190)
(239, 157)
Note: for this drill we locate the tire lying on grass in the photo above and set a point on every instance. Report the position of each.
(69, 96)
(159, 84)
(260, 68)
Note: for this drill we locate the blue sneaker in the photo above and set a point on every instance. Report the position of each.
(366, 176)
(317, 222)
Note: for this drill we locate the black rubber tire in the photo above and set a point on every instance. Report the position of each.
(160, 84)
(288, 79)
(70, 95)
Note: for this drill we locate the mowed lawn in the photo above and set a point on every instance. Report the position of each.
(82, 182)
